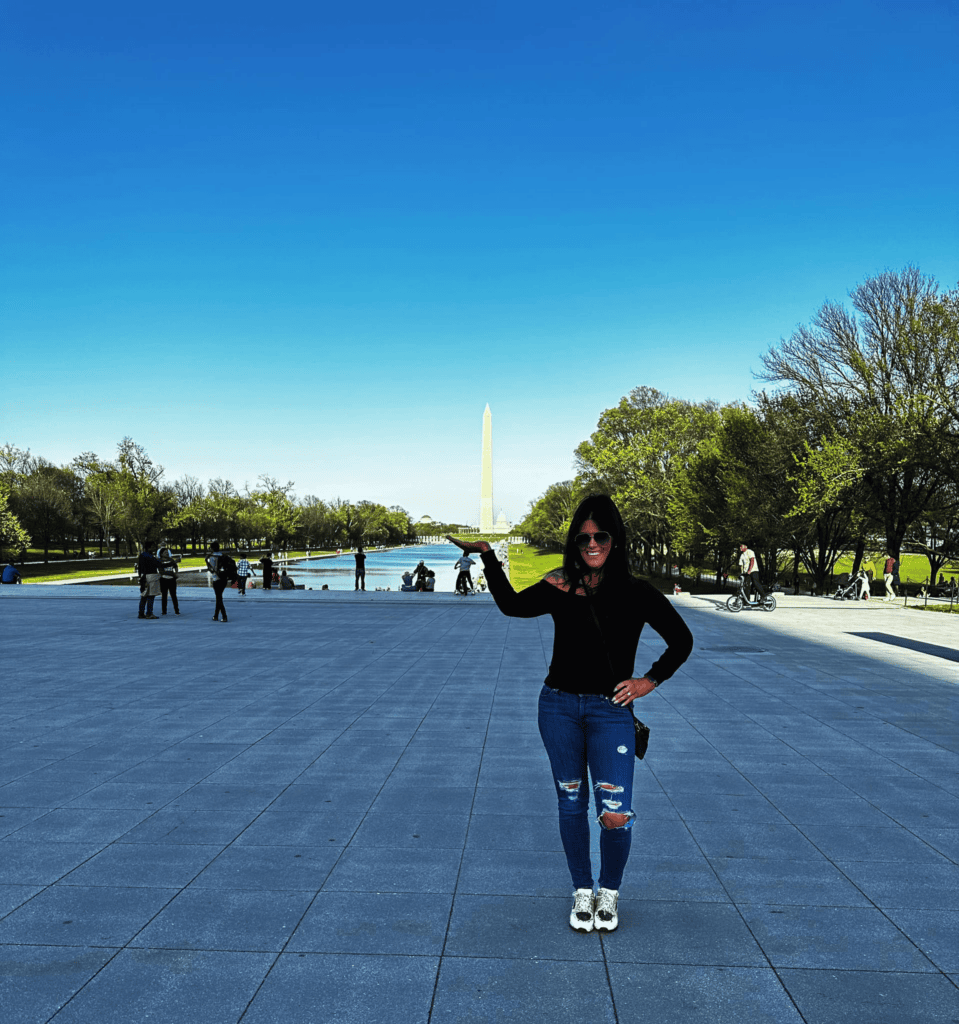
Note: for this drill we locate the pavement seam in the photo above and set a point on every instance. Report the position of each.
(469, 820)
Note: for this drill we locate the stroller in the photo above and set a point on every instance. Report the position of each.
(850, 588)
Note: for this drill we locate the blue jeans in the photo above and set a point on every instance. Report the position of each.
(588, 731)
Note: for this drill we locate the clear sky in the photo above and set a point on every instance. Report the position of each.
(313, 240)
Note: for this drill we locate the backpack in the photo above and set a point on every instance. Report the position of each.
(223, 566)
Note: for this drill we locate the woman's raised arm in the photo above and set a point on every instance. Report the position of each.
(470, 547)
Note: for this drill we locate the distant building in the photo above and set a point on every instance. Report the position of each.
(501, 525)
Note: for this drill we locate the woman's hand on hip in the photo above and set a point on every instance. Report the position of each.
(631, 689)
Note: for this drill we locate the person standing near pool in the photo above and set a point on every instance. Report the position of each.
(464, 582)
(598, 610)
(168, 574)
(360, 556)
(148, 569)
(243, 573)
(267, 563)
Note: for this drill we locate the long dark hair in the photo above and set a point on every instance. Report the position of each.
(604, 513)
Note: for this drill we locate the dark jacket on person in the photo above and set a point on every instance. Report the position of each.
(147, 563)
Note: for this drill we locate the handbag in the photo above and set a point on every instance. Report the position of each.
(640, 729)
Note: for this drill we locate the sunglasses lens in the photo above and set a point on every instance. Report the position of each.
(583, 539)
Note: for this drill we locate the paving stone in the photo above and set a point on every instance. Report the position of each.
(269, 867)
(345, 989)
(798, 882)
(73, 825)
(856, 997)
(170, 986)
(838, 938)
(768, 841)
(189, 827)
(400, 801)
(226, 919)
(143, 864)
(517, 928)
(414, 830)
(934, 887)
(868, 843)
(35, 981)
(39, 862)
(13, 896)
(521, 991)
(77, 915)
(666, 932)
(395, 869)
(404, 924)
(700, 995)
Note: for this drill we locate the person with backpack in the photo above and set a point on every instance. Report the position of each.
(168, 575)
(222, 570)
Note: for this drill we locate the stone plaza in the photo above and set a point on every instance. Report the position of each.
(336, 808)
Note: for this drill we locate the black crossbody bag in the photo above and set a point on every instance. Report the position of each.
(640, 729)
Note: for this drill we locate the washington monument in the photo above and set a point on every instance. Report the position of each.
(486, 475)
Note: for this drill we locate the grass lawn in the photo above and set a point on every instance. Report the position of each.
(912, 568)
(528, 565)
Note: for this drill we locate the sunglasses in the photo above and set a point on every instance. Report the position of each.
(601, 537)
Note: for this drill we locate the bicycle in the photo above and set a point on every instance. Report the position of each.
(739, 600)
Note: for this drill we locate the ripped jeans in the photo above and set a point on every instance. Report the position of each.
(581, 731)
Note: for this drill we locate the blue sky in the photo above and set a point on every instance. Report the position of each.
(314, 240)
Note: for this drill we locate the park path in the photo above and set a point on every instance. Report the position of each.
(340, 811)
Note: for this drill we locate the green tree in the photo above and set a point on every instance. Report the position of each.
(145, 504)
(42, 503)
(277, 511)
(13, 537)
(638, 455)
(881, 374)
(547, 522)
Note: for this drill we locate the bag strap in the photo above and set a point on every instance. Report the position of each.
(599, 629)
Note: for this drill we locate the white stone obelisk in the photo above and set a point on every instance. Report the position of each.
(486, 475)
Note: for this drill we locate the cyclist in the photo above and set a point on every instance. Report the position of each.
(750, 567)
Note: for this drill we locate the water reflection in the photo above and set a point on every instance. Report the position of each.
(383, 568)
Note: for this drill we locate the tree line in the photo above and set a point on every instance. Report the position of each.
(123, 502)
(853, 448)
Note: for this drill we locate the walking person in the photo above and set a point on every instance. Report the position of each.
(168, 574)
(464, 582)
(266, 563)
(360, 557)
(216, 567)
(243, 573)
(598, 610)
(889, 571)
(750, 567)
(148, 569)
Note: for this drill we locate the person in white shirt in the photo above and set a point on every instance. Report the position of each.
(750, 567)
(464, 582)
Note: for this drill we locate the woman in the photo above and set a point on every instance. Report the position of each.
(168, 574)
(599, 610)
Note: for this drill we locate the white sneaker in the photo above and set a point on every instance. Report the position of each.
(606, 919)
(581, 916)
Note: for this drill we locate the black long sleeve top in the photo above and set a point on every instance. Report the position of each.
(579, 664)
